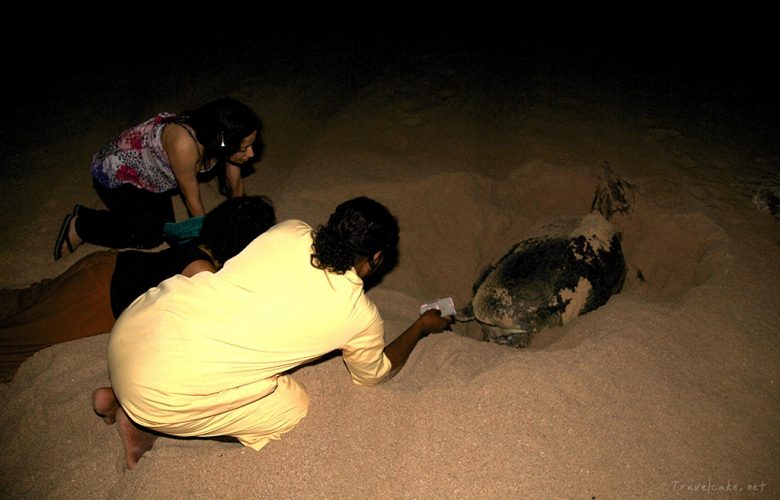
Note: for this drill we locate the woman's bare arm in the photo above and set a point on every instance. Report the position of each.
(184, 157)
(234, 180)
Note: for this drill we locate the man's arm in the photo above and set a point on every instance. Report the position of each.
(398, 350)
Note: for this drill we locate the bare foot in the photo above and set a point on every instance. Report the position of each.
(104, 404)
(135, 440)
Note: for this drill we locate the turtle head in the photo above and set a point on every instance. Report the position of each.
(466, 314)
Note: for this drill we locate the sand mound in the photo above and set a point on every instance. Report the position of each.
(670, 387)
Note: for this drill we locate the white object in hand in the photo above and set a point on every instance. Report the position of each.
(446, 306)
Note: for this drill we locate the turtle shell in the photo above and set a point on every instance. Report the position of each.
(548, 280)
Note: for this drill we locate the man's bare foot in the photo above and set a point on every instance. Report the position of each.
(135, 440)
(104, 404)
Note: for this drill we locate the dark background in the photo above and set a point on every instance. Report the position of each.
(720, 55)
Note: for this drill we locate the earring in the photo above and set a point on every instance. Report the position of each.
(221, 139)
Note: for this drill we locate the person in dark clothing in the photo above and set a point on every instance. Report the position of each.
(87, 298)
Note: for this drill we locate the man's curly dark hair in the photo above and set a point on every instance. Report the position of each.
(234, 223)
(359, 227)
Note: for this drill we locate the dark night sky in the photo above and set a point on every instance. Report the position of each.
(720, 53)
(652, 36)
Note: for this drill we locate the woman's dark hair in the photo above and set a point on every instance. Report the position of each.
(358, 228)
(220, 126)
(234, 223)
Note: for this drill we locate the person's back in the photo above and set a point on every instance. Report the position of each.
(209, 355)
(219, 340)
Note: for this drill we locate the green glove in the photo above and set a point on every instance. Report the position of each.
(184, 231)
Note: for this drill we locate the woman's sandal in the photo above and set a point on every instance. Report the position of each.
(63, 237)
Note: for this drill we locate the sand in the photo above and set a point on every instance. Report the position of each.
(670, 389)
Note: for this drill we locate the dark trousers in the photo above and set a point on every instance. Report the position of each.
(134, 219)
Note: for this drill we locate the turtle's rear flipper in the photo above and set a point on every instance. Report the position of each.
(465, 314)
(613, 195)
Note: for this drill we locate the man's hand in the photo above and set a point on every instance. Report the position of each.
(433, 322)
(398, 350)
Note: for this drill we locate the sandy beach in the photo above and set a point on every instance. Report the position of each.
(670, 389)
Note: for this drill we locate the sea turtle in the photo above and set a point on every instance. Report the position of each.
(570, 268)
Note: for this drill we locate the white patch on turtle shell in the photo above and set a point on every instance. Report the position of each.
(597, 231)
(502, 296)
(576, 299)
(500, 312)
